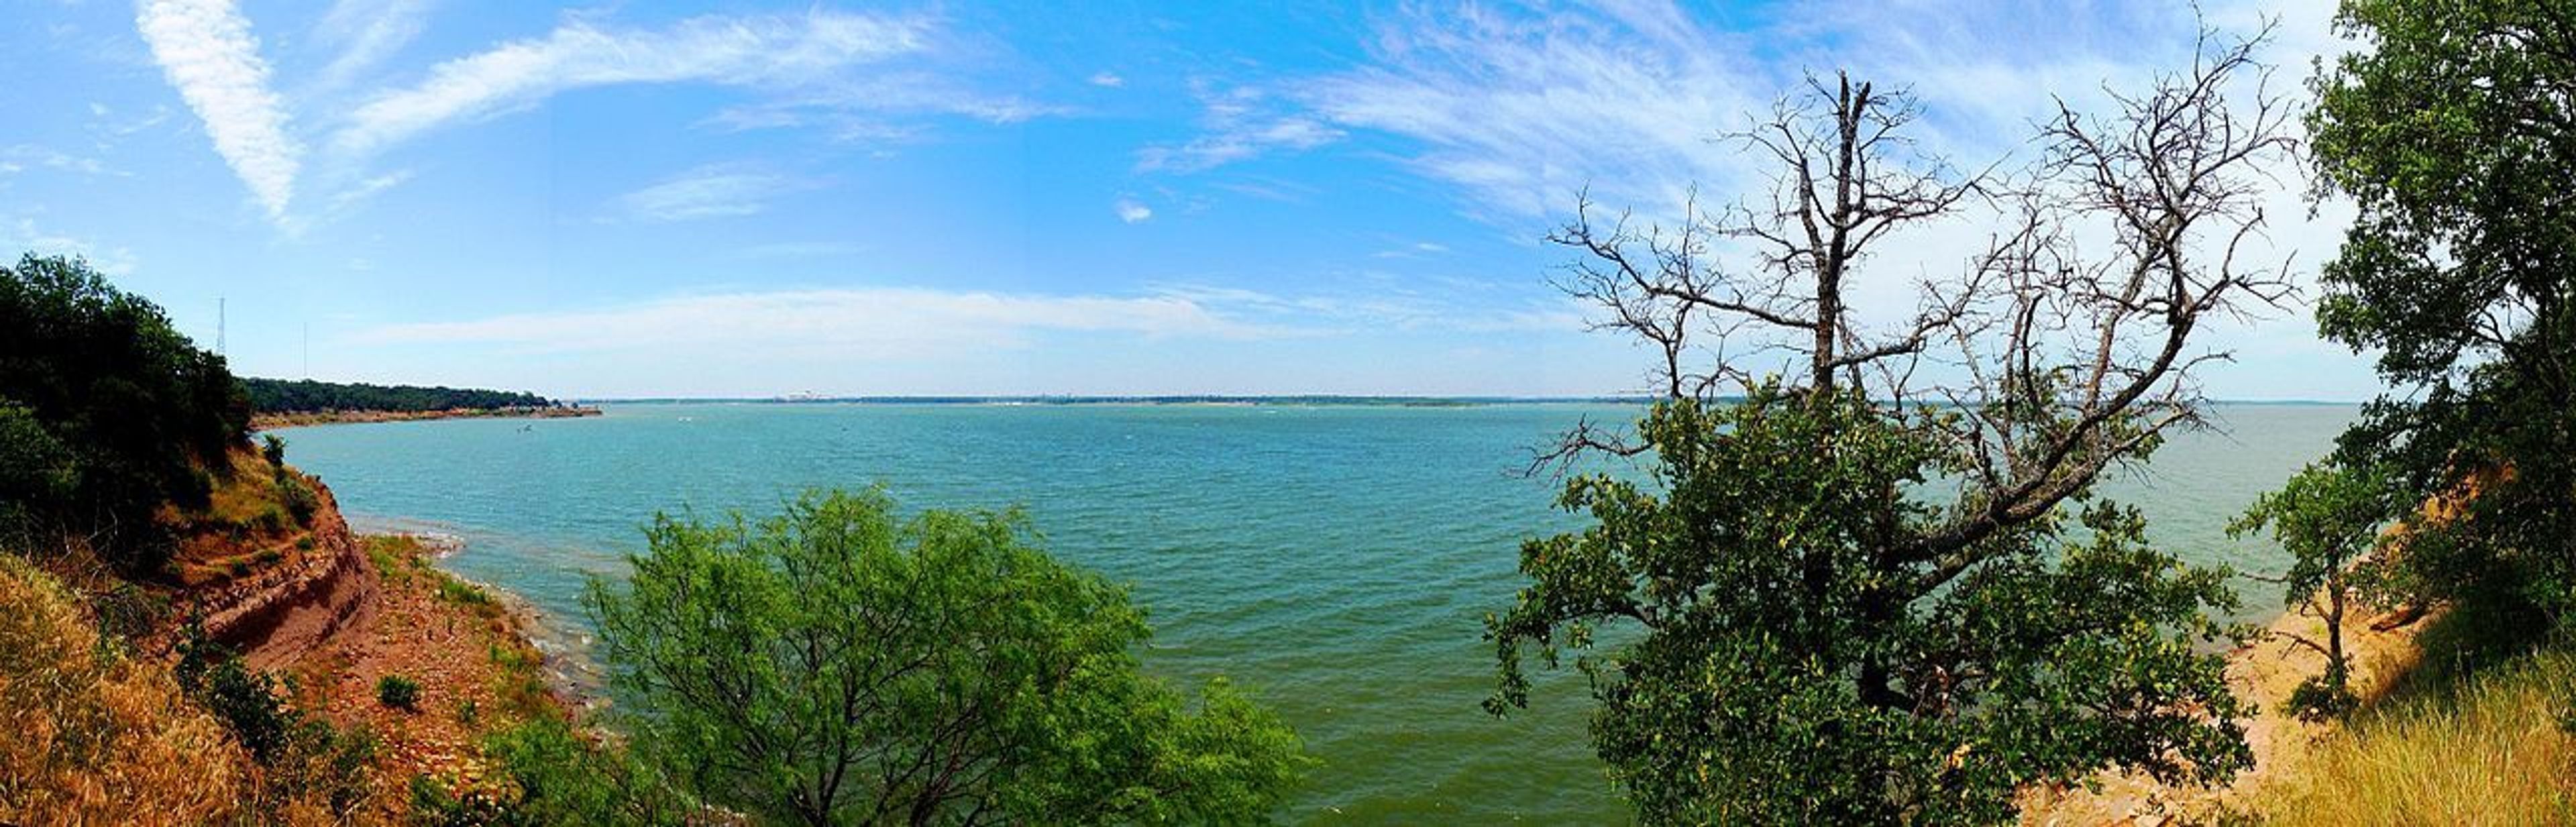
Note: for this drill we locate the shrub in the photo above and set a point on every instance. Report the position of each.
(563, 778)
(246, 701)
(398, 692)
(981, 655)
(298, 495)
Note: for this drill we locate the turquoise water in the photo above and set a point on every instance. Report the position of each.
(1337, 559)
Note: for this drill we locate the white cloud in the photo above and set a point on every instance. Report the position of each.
(1132, 212)
(1242, 122)
(1108, 79)
(718, 191)
(367, 32)
(369, 188)
(775, 51)
(858, 322)
(855, 109)
(23, 236)
(206, 50)
(15, 158)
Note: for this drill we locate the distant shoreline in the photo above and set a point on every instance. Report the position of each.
(298, 419)
(1296, 400)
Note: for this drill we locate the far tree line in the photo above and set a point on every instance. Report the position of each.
(309, 396)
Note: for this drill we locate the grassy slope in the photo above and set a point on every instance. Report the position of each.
(99, 736)
(2475, 736)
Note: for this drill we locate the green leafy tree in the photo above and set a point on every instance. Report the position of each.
(2454, 132)
(2328, 518)
(306, 395)
(833, 665)
(106, 412)
(1872, 584)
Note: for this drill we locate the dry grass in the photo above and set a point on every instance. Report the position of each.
(2488, 751)
(94, 736)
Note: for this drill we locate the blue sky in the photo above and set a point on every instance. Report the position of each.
(748, 199)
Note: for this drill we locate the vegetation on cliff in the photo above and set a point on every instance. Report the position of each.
(107, 415)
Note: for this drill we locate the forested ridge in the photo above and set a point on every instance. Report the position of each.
(306, 396)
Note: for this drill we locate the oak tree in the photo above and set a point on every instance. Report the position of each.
(1861, 574)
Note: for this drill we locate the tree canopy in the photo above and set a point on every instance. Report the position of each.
(106, 411)
(833, 665)
(306, 396)
(1878, 586)
(2452, 131)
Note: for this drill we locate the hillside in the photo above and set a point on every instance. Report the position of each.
(321, 617)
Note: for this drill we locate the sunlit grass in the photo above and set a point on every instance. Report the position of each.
(94, 736)
(2488, 749)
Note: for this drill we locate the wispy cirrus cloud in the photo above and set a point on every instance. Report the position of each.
(890, 322)
(1241, 122)
(1132, 211)
(366, 32)
(862, 322)
(714, 191)
(206, 49)
(766, 51)
(1521, 107)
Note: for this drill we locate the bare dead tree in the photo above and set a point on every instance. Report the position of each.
(2065, 346)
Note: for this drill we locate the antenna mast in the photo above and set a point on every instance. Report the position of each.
(219, 325)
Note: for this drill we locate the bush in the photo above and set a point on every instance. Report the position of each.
(971, 650)
(298, 495)
(398, 692)
(563, 778)
(246, 701)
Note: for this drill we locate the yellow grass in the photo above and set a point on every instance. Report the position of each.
(2489, 752)
(94, 737)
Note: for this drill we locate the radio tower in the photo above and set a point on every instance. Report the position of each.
(219, 325)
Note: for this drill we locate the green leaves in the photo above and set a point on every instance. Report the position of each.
(1788, 665)
(832, 665)
(106, 412)
(2454, 134)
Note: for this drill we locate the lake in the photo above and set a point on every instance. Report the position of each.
(1336, 559)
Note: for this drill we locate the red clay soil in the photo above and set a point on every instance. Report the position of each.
(474, 669)
(336, 613)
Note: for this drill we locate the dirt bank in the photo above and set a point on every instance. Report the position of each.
(313, 593)
(341, 614)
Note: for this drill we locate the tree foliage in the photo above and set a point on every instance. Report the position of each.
(2453, 131)
(2328, 518)
(307, 396)
(106, 411)
(833, 665)
(1877, 587)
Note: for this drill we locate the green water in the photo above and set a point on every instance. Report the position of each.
(1338, 559)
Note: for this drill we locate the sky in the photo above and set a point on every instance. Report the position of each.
(744, 199)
